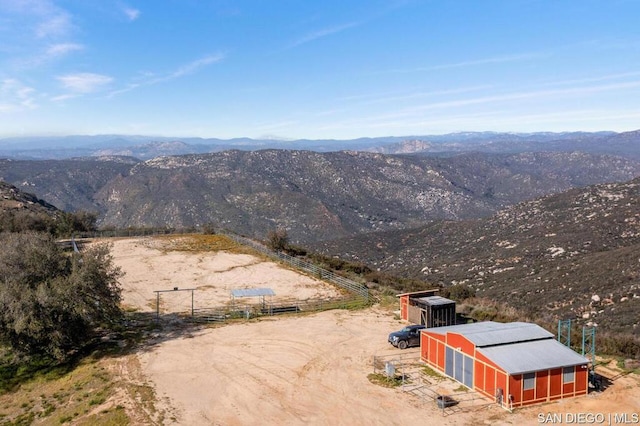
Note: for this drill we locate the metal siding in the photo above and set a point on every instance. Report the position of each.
(487, 333)
(567, 388)
(458, 341)
(478, 380)
(542, 384)
(582, 375)
(404, 302)
(468, 372)
(515, 388)
(434, 300)
(486, 360)
(433, 350)
(424, 347)
(448, 361)
(458, 366)
(501, 382)
(441, 355)
(555, 385)
(528, 357)
(434, 334)
(490, 380)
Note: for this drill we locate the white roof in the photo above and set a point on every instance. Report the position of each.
(526, 357)
(489, 333)
(435, 300)
(252, 292)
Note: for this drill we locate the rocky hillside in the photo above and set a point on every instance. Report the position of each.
(13, 199)
(69, 185)
(319, 196)
(314, 196)
(569, 255)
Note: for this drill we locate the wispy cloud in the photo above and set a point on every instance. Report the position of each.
(431, 115)
(49, 53)
(419, 94)
(34, 32)
(493, 60)
(82, 83)
(15, 96)
(131, 13)
(580, 91)
(194, 66)
(56, 24)
(322, 33)
(184, 70)
(470, 63)
(593, 79)
(62, 49)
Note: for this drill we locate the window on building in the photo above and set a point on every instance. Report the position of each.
(529, 381)
(568, 374)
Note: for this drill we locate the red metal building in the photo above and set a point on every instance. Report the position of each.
(516, 363)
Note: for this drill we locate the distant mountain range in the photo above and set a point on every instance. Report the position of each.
(147, 147)
(314, 196)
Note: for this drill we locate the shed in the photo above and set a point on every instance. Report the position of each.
(251, 292)
(428, 309)
(406, 297)
(516, 363)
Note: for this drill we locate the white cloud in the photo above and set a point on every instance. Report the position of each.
(15, 96)
(56, 24)
(131, 13)
(33, 32)
(62, 49)
(194, 66)
(186, 69)
(84, 82)
(64, 97)
(470, 63)
(322, 33)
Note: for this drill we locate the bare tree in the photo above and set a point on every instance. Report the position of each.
(278, 240)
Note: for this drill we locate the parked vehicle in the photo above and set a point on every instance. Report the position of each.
(407, 337)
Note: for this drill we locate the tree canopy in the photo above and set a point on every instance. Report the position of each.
(53, 302)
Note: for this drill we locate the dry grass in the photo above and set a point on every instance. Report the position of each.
(197, 243)
(81, 396)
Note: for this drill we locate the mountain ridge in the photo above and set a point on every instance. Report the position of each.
(146, 147)
(314, 196)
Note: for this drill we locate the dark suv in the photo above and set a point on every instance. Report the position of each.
(407, 337)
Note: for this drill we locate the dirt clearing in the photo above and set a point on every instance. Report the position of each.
(293, 370)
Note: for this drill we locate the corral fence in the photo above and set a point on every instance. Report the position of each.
(415, 378)
(227, 313)
(358, 297)
(302, 265)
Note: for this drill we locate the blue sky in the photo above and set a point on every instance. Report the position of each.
(317, 69)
